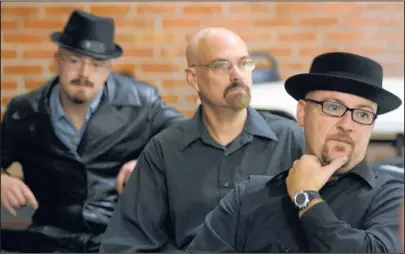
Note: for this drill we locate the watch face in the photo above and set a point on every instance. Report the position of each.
(301, 198)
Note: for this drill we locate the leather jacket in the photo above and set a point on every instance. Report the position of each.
(75, 192)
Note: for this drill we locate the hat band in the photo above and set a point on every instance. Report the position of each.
(89, 45)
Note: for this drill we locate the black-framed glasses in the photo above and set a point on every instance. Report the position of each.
(224, 66)
(337, 109)
(75, 62)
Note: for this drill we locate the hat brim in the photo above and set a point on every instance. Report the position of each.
(299, 85)
(117, 52)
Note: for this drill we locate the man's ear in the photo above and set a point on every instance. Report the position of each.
(301, 105)
(191, 78)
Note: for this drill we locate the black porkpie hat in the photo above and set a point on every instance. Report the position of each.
(347, 73)
(89, 35)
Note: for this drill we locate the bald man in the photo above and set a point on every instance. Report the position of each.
(184, 171)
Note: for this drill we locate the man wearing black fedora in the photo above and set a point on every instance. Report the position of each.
(77, 138)
(330, 200)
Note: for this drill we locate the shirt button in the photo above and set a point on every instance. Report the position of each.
(226, 184)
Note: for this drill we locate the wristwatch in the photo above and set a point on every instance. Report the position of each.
(302, 198)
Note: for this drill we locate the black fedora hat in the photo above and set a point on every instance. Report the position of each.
(347, 73)
(89, 35)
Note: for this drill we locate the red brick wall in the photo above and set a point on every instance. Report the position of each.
(154, 36)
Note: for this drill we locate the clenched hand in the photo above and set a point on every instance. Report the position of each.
(308, 174)
(15, 194)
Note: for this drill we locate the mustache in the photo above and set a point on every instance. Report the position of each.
(235, 84)
(82, 82)
(342, 138)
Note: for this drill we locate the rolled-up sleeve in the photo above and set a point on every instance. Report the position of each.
(220, 230)
(139, 221)
(380, 232)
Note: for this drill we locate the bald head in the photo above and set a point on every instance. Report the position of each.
(206, 42)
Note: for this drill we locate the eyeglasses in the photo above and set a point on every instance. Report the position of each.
(76, 62)
(224, 66)
(337, 109)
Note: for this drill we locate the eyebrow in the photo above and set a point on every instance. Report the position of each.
(223, 59)
(359, 106)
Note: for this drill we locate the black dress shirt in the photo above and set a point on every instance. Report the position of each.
(359, 214)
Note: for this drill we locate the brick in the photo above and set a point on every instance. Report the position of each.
(124, 67)
(256, 36)
(9, 24)
(295, 7)
(297, 36)
(277, 52)
(159, 38)
(159, 67)
(273, 22)
(19, 11)
(248, 7)
(124, 38)
(52, 68)
(23, 38)
(367, 50)
(181, 23)
(294, 66)
(202, 9)
(387, 6)
(170, 99)
(173, 52)
(344, 36)
(312, 52)
(22, 69)
(139, 52)
(319, 21)
(134, 23)
(191, 98)
(33, 84)
(392, 36)
(8, 85)
(361, 22)
(228, 22)
(61, 10)
(110, 10)
(340, 8)
(39, 53)
(155, 9)
(174, 84)
(8, 53)
(44, 24)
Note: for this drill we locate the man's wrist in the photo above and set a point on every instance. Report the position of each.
(310, 205)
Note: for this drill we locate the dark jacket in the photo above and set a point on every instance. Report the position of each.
(76, 192)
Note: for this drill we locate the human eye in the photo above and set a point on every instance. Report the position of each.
(220, 65)
(334, 106)
(364, 115)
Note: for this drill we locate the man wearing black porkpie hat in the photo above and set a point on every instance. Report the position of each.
(330, 200)
(76, 138)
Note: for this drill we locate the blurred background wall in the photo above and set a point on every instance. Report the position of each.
(154, 36)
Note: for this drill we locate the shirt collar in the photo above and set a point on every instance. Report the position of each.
(362, 170)
(255, 124)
